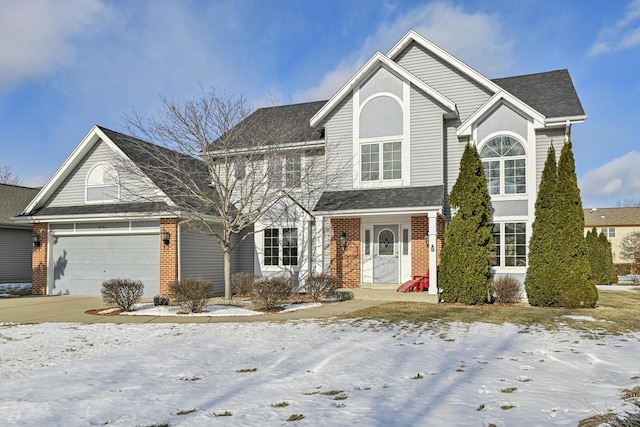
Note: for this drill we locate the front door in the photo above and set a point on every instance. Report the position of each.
(385, 254)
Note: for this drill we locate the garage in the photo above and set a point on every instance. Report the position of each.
(81, 263)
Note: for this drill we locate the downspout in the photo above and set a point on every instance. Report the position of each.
(179, 247)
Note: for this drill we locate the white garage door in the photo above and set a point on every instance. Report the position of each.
(82, 263)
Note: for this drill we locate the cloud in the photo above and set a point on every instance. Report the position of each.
(36, 36)
(478, 39)
(616, 180)
(623, 34)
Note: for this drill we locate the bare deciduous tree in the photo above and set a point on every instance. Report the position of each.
(227, 167)
(630, 248)
(628, 203)
(7, 176)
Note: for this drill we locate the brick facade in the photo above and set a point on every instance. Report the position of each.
(168, 254)
(419, 251)
(39, 260)
(345, 264)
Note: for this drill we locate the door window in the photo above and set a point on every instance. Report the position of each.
(386, 243)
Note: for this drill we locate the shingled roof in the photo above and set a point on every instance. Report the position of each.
(13, 200)
(551, 93)
(605, 217)
(380, 198)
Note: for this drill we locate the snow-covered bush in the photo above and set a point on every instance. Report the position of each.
(190, 294)
(505, 289)
(241, 283)
(122, 292)
(321, 285)
(272, 292)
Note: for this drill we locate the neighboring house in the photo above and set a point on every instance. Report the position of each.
(96, 222)
(393, 138)
(388, 145)
(15, 239)
(616, 224)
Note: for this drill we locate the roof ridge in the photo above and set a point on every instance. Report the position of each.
(19, 186)
(531, 74)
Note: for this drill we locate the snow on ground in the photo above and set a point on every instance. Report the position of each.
(334, 373)
(15, 287)
(616, 288)
(148, 309)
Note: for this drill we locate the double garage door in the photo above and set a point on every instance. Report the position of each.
(80, 264)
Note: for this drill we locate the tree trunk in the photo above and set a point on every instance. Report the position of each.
(227, 273)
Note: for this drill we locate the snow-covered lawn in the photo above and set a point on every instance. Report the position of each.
(216, 310)
(331, 372)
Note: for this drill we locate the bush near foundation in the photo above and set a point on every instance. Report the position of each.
(190, 294)
(122, 292)
(270, 293)
(505, 290)
(321, 285)
(241, 283)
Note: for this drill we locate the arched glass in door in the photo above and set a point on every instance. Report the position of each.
(386, 240)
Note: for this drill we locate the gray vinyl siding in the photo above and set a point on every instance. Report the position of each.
(15, 255)
(503, 119)
(244, 252)
(466, 93)
(544, 139)
(72, 190)
(453, 153)
(201, 257)
(426, 140)
(339, 149)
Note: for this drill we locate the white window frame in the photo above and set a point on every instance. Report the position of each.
(502, 254)
(609, 232)
(284, 158)
(88, 186)
(501, 160)
(280, 247)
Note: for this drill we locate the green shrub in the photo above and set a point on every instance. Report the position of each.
(121, 292)
(465, 267)
(321, 285)
(190, 294)
(505, 289)
(241, 283)
(270, 293)
(600, 258)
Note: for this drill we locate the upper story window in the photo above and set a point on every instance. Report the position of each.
(388, 166)
(504, 162)
(285, 171)
(608, 231)
(240, 167)
(102, 184)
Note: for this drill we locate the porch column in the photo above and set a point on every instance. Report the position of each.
(433, 253)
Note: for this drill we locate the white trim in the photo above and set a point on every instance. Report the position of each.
(87, 186)
(413, 36)
(92, 217)
(490, 106)
(502, 195)
(379, 60)
(142, 231)
(386, 211)
(282, 148)
(562, 121)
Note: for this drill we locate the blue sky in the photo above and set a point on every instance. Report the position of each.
(66, 65)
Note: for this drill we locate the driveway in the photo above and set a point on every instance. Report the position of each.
(66, 308)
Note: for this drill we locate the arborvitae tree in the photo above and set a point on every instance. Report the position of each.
(540, 282)
(572, 278)
(609, 269)
(465, 263)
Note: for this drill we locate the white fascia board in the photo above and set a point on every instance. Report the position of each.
(413, 36)
(388, 211)
(562, 121)
(538, 119)
(319, 143)
(378, 60)
(93, 217)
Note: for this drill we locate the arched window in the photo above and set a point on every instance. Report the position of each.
(504, 163)
(102, 184)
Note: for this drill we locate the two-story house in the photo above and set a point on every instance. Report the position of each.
(388, 145)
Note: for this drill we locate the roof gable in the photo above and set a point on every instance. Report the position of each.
(379, 60)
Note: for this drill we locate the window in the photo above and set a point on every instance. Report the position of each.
(386, 240)
(290, 166)
(367, 242)
(608, 231)
(391, 166)
(289, 246)
(102, 184)
(272, 245)
(240, 167)
(504, 163)
(509, 244)
(405, 241)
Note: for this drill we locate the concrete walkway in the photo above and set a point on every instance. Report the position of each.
(65, 308)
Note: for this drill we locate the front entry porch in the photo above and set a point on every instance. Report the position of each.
(367, 292)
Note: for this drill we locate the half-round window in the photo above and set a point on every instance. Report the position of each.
(102, 184)
(381, 117)
(504, 162)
